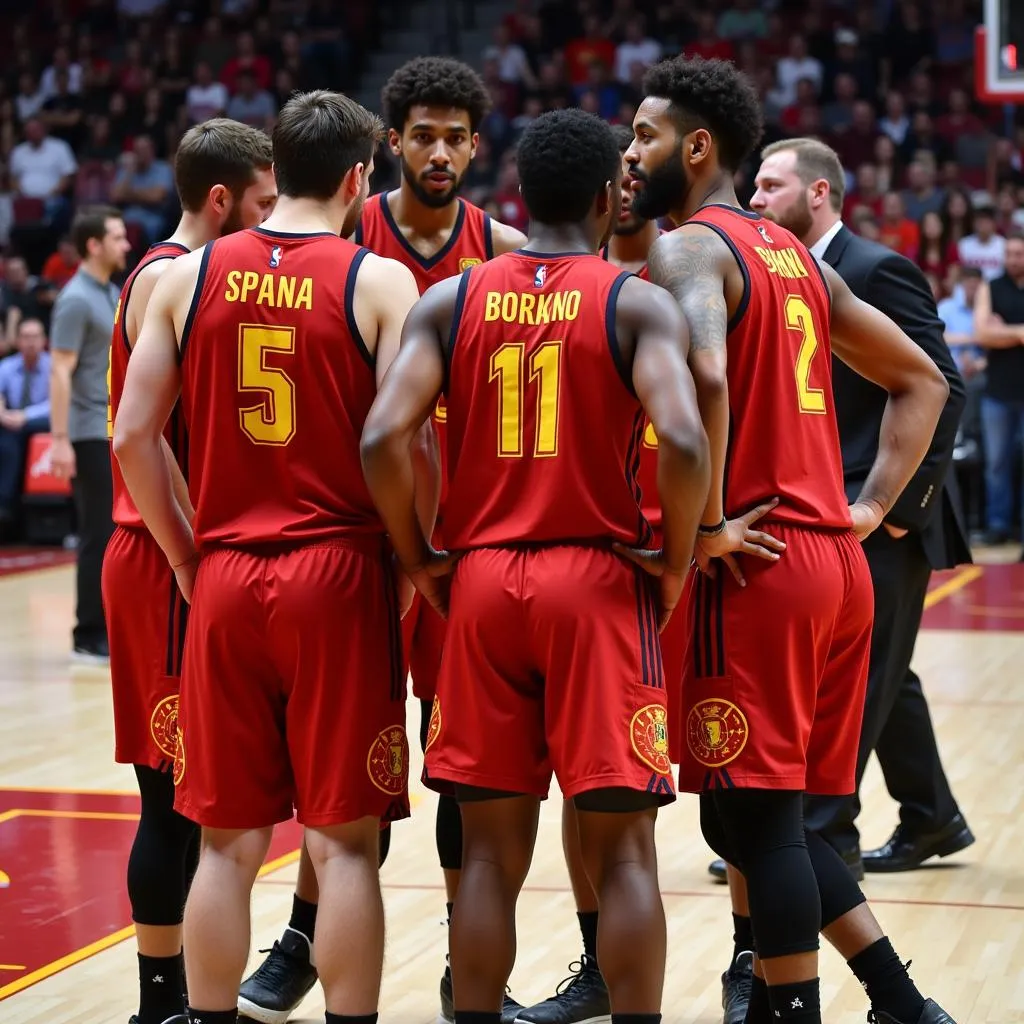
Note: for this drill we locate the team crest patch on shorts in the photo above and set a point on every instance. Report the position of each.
(179, 758)
(648, 732)
(468, 261)
(434, 725)
(163, 725)
(388, 761)
(716, 732)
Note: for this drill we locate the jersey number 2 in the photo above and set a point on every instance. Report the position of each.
(271, 420)
(507, 369)
(799, 318)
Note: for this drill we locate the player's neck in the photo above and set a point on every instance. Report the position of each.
(416, 218)
(193, 232)
(559, 238)
(717, 191)
(303, 216)
(632, 250)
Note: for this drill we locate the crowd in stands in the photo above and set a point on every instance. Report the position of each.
(96, 94)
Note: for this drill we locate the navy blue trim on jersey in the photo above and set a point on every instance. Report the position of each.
(488, 237)
(735, 319)
(126, 297)
(271, 233)
(631, 471)
(426, 262)
(358, 234)
(604, 253)
(460, 302)
(821, 274)
(610, 331)
(551, 255)
(197, 296)
(350, 307)
(745, 214)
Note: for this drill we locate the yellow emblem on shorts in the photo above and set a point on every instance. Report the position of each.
(441, 411)
(163, 726)
(648, 732)
(716, 732)
(468, 261)
(179, 759)
(387, 764)
(434, 725)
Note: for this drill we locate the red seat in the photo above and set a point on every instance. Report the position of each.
(39, 478)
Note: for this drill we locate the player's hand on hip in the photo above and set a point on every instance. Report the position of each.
(185, 574)
(867, 517)
(740, 537)
(672, 581)
(431, 579)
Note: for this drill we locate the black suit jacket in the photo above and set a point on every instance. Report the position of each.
(930, 504)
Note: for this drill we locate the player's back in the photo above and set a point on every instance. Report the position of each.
(124, 511)
(276, 386)
(544, 429)
(784, 441)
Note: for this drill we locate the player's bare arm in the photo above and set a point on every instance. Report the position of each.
(138, 302)
(405, 400)
(989, 329)
(651, 324)
(151, 388)
(506, 238)
(695, 266)
(873, 346)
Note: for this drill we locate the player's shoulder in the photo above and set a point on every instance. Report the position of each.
(383, 271)
(689, 249)
(504, 237)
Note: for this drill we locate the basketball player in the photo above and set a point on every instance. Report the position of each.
(290, 547)
(775, 685)
(223, 174)
(550, 358)
(582, 998)
(433, 106)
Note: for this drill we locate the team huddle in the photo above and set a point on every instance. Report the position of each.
(584, 487)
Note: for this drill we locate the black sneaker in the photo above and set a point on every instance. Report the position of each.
(931, 1014)
(178, 1018)
(582, 998)
(273, 991)
(736, 983)
(509, 1010)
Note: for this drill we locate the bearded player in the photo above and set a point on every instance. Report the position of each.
(223, 174)
(278, 339)
(433, 106)
(775, 679)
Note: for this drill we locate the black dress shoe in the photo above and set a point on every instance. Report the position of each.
(931, 1014)
(716, 869)
(905, 851)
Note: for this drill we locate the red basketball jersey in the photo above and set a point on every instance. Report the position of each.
(125, 513)
(276, 386)
(544, 429)
(784, 441)
(468, 245)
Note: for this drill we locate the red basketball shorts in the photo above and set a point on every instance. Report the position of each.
(146, 618)
(551, 664)
(775, 672)
(673, 650)
(423, 632)
(292, 692)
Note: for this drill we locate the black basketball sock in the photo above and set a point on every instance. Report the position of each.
(588, 929)
(636, 1018)
(742, 936)
(799, 1001)
(161, 988)
(759, 1009)
(213, 1016)
(449, 907)
(340, 1018)
(883, 975)
(476, 1017)
(303, 917)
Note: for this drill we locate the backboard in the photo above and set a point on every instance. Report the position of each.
(999, 53)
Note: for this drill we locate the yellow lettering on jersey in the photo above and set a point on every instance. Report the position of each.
(783, 262)
(650, 437)
(531, 308)
(279, 291)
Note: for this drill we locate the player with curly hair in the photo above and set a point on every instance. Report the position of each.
(774, 681)
(433, 107)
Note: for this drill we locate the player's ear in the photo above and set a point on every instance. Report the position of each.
(220, 200)
(604, 198)
(395, 142)
(352, 183)
(697, 145)
(474, 141)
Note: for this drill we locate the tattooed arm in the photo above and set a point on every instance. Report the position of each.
(692, 263)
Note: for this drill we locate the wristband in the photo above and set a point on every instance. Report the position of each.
(712, 531)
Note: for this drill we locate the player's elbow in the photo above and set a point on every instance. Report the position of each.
(684, 445)
(709, 368)
(379, 437)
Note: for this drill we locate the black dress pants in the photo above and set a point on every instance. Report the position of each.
(94, 499)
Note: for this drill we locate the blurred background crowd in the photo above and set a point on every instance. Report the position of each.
(96, 93)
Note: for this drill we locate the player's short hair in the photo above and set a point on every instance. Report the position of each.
(219, 152)
(91, 223)
(319, 137)
(564, 159)
(623, 136)
(814, 161)
(714, 95)
(434, 82)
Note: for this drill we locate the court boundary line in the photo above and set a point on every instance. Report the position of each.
(965, 576)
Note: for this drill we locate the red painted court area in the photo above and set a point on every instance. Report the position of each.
(978, 597)
(62, 878)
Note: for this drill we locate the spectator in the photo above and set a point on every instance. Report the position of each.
(866, 191)
(957, 214)
(856, 145)
(896, 123)
(206, 97)
(983, 249)
(794, 68)
(957, 314)
(83, 322)
(20, 300)
(591, 46)
(30, 98)
(61, 265)
(897, 231)
(63, 113)
(921, 195)
(887, 164)
(512, 66)
(24, 409)
(636, 48)
(999, 326)
(838, 114)
(708, 43)
(252, 105)
(935, 255)
(62, 64)
(851, 61)
(246, 59)
(143, 187)
(43, 168)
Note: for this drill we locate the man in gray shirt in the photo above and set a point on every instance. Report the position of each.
(80, 331)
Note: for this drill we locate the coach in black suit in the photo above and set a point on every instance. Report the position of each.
(801, 187)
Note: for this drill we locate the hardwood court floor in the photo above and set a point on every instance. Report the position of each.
(67, 815)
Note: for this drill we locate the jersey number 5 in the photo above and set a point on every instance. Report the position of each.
(507, 369)
(271, 420)
(799, 318)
